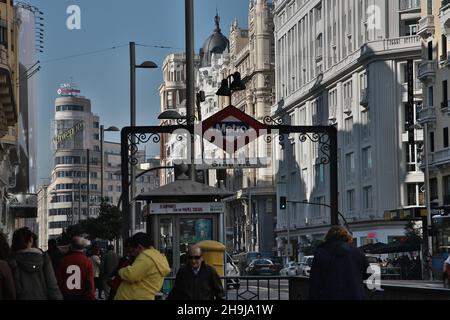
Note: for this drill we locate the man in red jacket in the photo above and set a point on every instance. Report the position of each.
(76, 273)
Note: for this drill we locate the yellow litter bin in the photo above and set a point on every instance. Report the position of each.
(213, 254)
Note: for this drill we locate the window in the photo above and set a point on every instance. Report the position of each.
(3, 33)
(444, 104)
(444, 48)
(416, 196)
(348, 131)
(350, 165)
(446, 189)
(367, 162)
(351, 200)
(318, 210)
(446, 137)
(367, 198)
(411, 157)
(412, 195)
(96, 136)
(110, 188)
(69, 108)
(430, 50)
(320, 175)
(430, 97)
(96, 125)
(365, 122)
(433, 189)
(431, 141)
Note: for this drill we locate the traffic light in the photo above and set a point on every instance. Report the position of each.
(283, 203)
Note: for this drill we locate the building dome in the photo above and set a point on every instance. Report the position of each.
(216, 43)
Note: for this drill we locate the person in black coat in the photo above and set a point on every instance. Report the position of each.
(55, 254)
(197, 280)
(339, 269)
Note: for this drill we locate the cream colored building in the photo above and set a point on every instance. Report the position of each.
(344, 63)
(172, 92)
(434, 72)
(251, 212)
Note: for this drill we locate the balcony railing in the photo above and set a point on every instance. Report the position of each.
(427, 69)
(427, 115)
(426, 26)
(409, 4)
(3, 55)
(441, 157)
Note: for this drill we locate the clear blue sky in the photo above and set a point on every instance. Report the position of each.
(104, 77)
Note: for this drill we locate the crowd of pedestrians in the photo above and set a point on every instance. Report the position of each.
(75, 273)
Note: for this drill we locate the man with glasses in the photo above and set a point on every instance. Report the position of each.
(197, 280)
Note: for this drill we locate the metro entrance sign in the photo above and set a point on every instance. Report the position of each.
(231, 129)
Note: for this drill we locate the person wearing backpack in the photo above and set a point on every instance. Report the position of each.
(32, 269)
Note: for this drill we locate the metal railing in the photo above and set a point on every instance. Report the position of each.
(246, 287)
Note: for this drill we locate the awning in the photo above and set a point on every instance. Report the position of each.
(397, 247)
(368, 248)
(184, 191)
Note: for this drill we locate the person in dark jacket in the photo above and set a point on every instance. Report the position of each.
(55, 254)
(339, 269)
(197, 280)
(110, 262)
(7, 287)
(76, 273)
(32, 269)
(125, 261)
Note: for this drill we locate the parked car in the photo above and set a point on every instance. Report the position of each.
(304, 268)
(291, 269)
(278, 262)
(232, 270)
(260, 267)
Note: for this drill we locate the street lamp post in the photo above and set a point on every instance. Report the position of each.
(102, 140)
(133, 66)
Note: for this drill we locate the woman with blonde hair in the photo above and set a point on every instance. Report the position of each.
(339, 268)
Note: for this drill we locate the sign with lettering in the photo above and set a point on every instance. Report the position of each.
(186, 208)
(231, 129)
(69, 133)
(245, 163)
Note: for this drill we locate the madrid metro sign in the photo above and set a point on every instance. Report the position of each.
(231, 129)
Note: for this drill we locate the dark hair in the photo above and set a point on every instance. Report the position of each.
(4, 247)
(52, 243)
(142, 239)
(20, 239)
(338, 233)
(76, 244)
(110, 247)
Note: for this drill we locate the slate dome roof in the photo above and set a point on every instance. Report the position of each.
(216, 43)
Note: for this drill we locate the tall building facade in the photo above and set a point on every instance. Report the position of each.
(76, 134)
(434, 28)
(172, 92)
(9, 105)
(251, 213)
(350, 64)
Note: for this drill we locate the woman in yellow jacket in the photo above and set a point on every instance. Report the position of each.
(145, 277)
